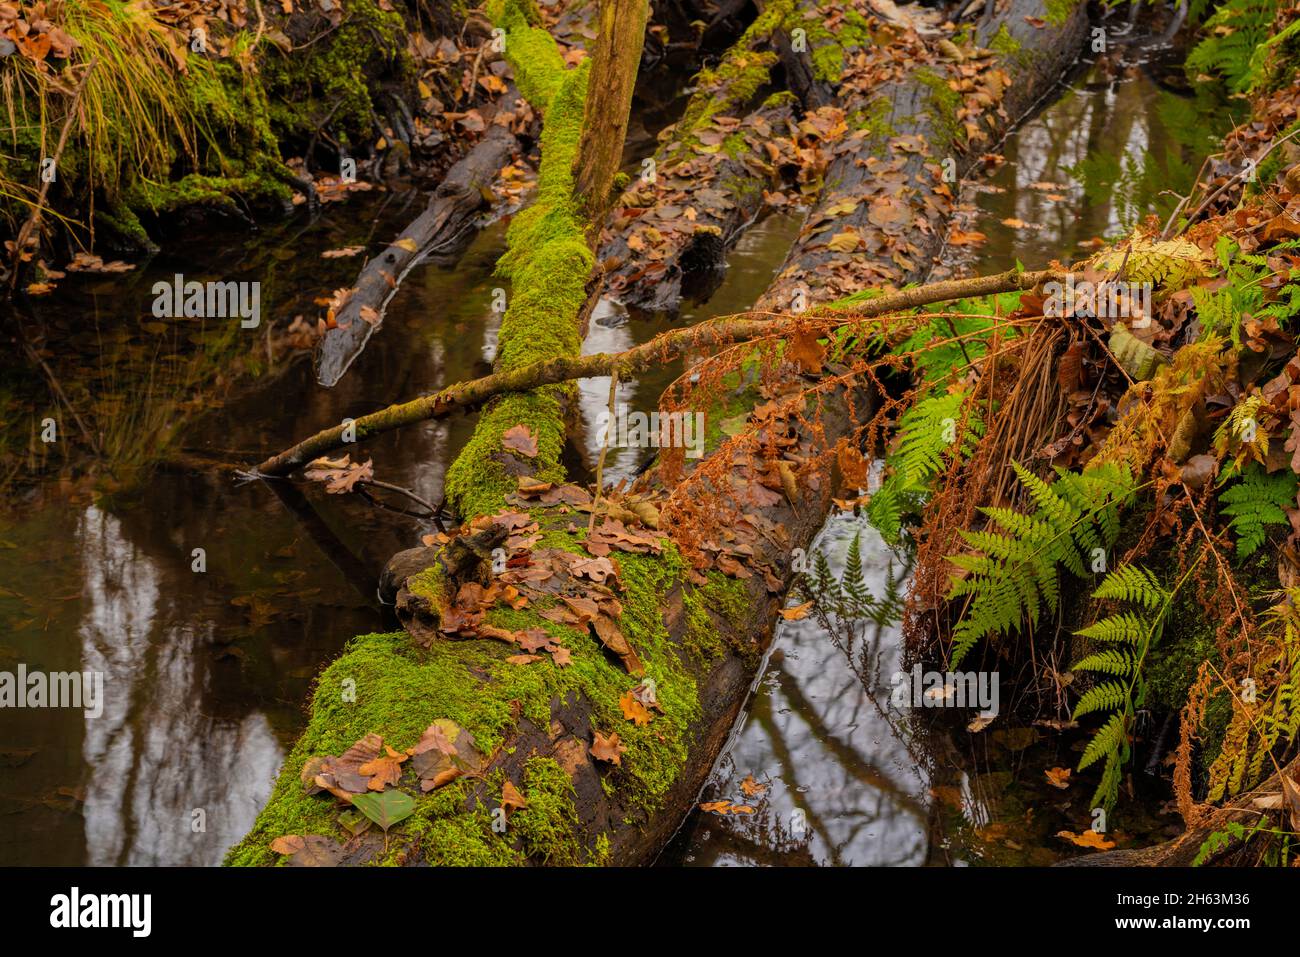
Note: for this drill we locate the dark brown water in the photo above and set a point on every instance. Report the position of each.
(206, 673)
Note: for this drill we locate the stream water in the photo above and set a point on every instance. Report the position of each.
(207, 671)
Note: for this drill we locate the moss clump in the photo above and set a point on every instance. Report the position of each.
(154, 138)
(548, 828)
(874, 119)
(1058, 11)
(942, 109)
(1004, 44)
(829, 46)
(333, 77)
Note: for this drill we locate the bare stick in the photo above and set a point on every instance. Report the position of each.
(723, 331)
(604, 447)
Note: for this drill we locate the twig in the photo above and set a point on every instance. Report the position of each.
(33, 221)
(722, 331)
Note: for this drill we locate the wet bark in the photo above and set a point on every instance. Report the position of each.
(615, 59)
(444, 228)
(916, 119)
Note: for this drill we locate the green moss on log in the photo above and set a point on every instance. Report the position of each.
(548, 263)
(333, 78)
(385, 684)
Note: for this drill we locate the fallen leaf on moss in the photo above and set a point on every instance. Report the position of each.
(634, 710)
(534, 639)
(384, 769)
(607, 748)
(309, 850)
(519, 439)
(385, 808)
(444, 752)
(511, 799)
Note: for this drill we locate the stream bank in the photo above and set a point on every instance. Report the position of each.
(830, 836)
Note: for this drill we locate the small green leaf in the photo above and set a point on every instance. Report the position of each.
(385, 808)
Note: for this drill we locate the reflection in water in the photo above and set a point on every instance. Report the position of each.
(168, 782)
(1117, 145)
(205, 673)
(842, 786)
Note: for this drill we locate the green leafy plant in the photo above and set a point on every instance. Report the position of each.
(1126, 637)
(1235, 44)
(1259, 499)
(1277, 856)
(930, 434)
(1013, 574)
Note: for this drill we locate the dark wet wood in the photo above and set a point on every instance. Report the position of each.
(445, 227)
(812, 273)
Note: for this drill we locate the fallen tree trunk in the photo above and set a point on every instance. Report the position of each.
(558, 752)
(891, 184)
(445, 227)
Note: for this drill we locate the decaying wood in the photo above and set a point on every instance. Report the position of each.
(615, 59)
(913, 140)
(446, 226)
(469, 395)
(726, 195)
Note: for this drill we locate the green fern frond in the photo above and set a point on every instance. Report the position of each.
(1108, 662)
(1110, 738)
(1259, 499)
(1012, 574)
(1132, 583)
(1126, 690)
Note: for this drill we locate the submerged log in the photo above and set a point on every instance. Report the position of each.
(446, 226)
(549, 782)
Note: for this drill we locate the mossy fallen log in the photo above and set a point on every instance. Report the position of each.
(698, 634)
(889, 189)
